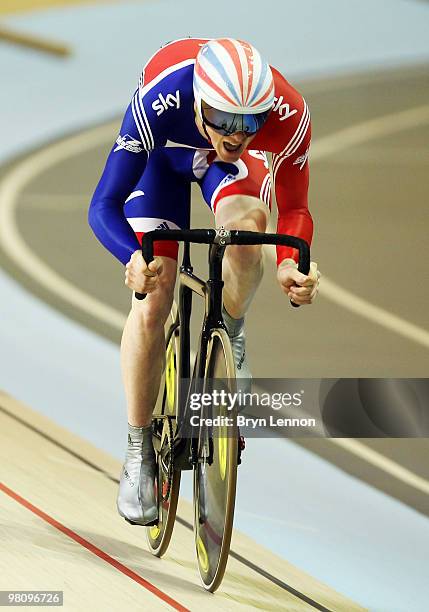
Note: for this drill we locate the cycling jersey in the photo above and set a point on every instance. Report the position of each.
(159, 151)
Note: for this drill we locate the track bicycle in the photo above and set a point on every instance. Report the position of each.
(212, 455)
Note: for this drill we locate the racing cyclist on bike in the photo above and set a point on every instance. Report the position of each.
(205, 111)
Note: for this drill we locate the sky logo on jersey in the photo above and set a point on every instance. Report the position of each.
(283, 109)
(162, 104)
(128, 143)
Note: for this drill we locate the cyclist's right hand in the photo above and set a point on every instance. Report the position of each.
(142, 278)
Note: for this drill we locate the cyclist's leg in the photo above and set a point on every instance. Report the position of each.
(142, 347)
(142, 350)
(161, 199)
(240, 196)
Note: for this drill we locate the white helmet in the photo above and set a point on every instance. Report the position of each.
(231, 76)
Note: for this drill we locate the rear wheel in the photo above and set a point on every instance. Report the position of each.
(164, 431)
(215, 474)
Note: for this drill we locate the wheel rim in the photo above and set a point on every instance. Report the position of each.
(168, 481)
(214, 485)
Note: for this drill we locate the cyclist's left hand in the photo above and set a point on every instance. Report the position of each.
(301, 289)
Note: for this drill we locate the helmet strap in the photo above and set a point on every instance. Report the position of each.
(201, 117)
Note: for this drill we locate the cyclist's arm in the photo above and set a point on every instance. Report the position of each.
(291, 180)
(125, 165)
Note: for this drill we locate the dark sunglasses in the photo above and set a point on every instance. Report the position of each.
(229, 123)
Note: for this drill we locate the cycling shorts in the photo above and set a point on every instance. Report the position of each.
(162, 197)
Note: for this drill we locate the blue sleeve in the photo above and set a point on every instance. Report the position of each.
(124, 167)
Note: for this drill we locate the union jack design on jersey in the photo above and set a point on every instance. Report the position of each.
(230, 75)
(160, 150)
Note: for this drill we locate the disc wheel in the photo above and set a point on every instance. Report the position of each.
(215, 474)
(164, 430)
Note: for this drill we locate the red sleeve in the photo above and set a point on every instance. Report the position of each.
(291, 178)
(287, 135)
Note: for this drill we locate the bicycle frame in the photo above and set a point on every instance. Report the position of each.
(211, 292)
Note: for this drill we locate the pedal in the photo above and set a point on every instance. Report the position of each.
(151, 524)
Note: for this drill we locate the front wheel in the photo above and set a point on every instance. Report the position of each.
(215, 473)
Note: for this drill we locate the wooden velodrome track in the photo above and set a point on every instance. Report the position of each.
(59, 528)
(60, 531)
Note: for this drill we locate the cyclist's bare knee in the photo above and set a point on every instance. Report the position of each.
(243, 213)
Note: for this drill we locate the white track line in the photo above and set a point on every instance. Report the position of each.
(17, 250)
(344, 139)
(383, 463)
(369, 130)
(333, 292)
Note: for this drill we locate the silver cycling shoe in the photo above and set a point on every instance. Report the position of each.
(235, 329)
(136, 500)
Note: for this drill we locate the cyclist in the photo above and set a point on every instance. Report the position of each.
(205, 111)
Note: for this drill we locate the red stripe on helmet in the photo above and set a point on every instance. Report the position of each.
(233, 53)
(205, 77)
(262, 98)
(250, 66)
